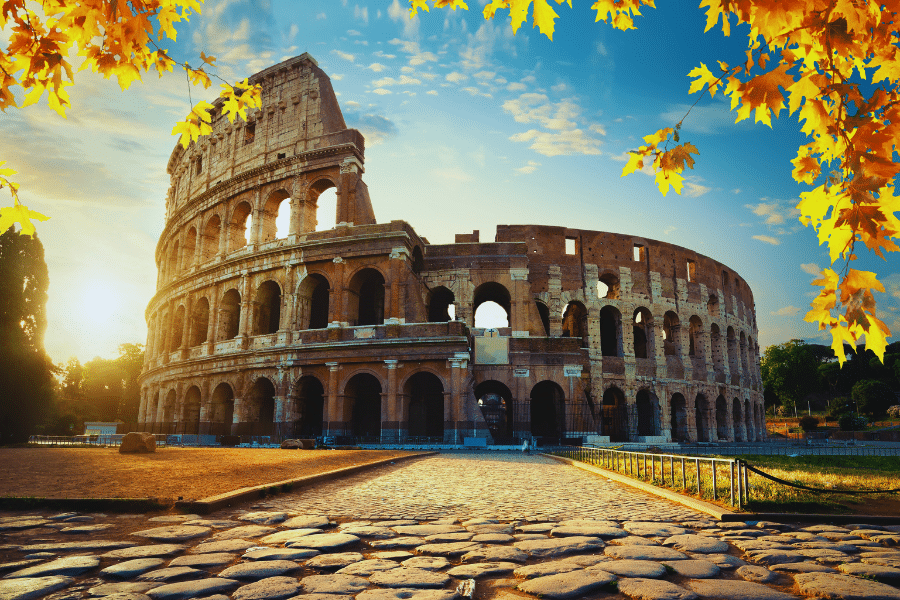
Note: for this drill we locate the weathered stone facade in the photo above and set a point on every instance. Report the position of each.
(349, 332)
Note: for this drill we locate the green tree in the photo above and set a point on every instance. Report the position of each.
(873, 397)
(109, 387)
(26, 373)
(790, 371)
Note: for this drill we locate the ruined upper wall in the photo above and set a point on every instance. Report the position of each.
(299, 113)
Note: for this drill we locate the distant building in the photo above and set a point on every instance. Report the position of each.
(367, 330)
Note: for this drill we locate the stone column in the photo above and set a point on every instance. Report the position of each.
(212, 325)
(244, 325)
(458, 364)
(142, 408)
(338, 293)
(523, 426)
(224, 230)
(554, 286)
(333, 416)
(186, 325)
(237, 416)
(391, 415)
(520, 303)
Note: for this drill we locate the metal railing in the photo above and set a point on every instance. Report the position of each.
(782, 449)
(702, 476)
(110, 439)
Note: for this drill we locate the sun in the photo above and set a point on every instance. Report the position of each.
(99, 301)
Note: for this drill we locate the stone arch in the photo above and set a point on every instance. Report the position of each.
(362, 405)
(172, 267)
(221, 409)
(259, 408)
(313, 295)
(199, 322)
(241, 219)
(701, 417)
(440, 299)
(679, 421)
(311, 205)
(425, 414)
(672, 335)
(418, 260)
(277, 201)
(611, 331)
(733, 361)
(230, 314)
(486, 394)
(189, 250)
(722, 424)
(170, 408)
(150, 414)
(742, 354)
(209, 241)
(267, 308)
(614, 421)
(574, 322)
(748, 421)
(177, 328)
(695, 332)
(712, 305)
(548, 410)
(737, 421)
(642, 330)
(491, 291)
(608, 286)
(544, 314)
(307, 407)
(190, 411)
(648, 410)
(716, 345)
(366, 306)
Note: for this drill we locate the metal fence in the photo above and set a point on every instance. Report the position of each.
(811, 449)
(113, 439)
(712, 478)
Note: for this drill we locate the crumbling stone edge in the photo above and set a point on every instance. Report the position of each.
(119, 505)
(725, 515)
(214, 503)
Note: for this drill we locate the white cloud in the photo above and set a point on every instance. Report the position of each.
(353, 32)
(361, 13)
(321, 15)
(452, 173)
(337, 77)
(404, 80)
(530, 167)
(773, 213)
(516, 87)
(351, 104)
(422, 57)
(536, 108)
(407, 69)
(811, 268)
(382, 54)
(570, 142)
(344, 55)
(396, 12)
(474, 91)
(695, 190)
(485, 75)
(400, 14)
(500, 81)
(456, 77)
(381, 91)
(293, 31)
(597, 129)
(376, 67)
(560, 87)
(432, 92)
(768, 239)
(712, 118)
(787, 311)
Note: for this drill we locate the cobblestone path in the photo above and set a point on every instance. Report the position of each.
(507, 486)
(452, 527)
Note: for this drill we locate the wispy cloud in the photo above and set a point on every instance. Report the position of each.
(574, 141)
(361, 13)
(787, 311)
(768, 239)
(376, 128)
(773, 213)
(345, 55)
(530, 167)
(811, 268)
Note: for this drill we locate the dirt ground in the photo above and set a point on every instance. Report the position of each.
(168, 474)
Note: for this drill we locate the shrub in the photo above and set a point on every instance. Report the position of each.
(852, 422)
(809, 423)
(873, 397)
(894, 411)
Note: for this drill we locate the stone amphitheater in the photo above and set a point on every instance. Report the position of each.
(368, 332)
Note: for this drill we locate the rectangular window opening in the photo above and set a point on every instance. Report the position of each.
(249, 133)
(570, 245)
(691, 271)
(640, 252)
(198, 167)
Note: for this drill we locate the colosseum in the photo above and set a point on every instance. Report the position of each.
(366, 332)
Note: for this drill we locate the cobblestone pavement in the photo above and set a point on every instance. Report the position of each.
(488, 526)
(483, 484)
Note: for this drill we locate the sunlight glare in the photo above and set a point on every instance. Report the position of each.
(99, 302)
(283, 220)
(490, 315)
(327, 210)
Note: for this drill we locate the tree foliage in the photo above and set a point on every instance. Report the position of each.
(789, 371)
(26, 382)
(836, 65)
(873, 397)
(114, 38)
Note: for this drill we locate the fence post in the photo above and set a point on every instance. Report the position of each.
(715, 491)
(683, 478)
(697, 466)
(731, 482)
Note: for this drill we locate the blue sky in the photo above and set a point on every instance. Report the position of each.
(467, 127)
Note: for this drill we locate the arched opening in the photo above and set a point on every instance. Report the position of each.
(712, 305)
(168, 417)
(230, 314)
(190, 249)
(325, 204)
(199, 321)
(190, 411)
(240, 227)
(608, 286)
(610, 331)
(722, 425)
(177, 328)
(715, 344)
(647, 406)
(367, 298)
(615, 416)
(695, 348)
(737, 420)
(362, 398)
(209, 245)
(496, 404)
(418, 261)
(671, 334)
(260, 403)
(742, 353)
(748, 421)
(679, 425)
(172, 268)
(701, 417)
(734, 364)
(439, 303)
(548, 411)
(544, 314)
(492, 306)
(426, 405)
(308, 405)
(276, 220)
(574, 322)
(151, 413)
(221, 410)
(641, 327)
(268, 308)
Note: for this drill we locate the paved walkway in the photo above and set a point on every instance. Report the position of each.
(506, 486)
(455, 526)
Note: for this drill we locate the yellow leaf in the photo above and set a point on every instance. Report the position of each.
(839, 335)
(704, 78)
(210, 60)
(635, 161)
(666, 179)
(543, 16)
(660, 136)
(21, 214)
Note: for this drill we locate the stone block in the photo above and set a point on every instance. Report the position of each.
(138, 442)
